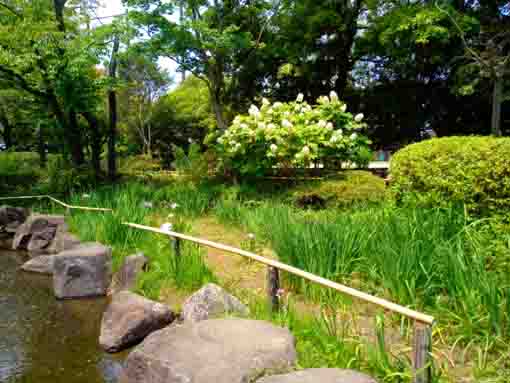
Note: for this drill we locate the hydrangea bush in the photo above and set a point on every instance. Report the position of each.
(293, 135)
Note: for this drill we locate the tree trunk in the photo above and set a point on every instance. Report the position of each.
(112, 107)
(41, 146)
(497, 100)
(217, 107)
(95, 129)
(7, 132)
(74, 139)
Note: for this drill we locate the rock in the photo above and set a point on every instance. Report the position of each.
(211, 301)
(42, 264)
(62, 241)
(218, 350)
(322, 375)
(37, 232)
(125, 278)
(129, 319)
(84, 271)
(10, 219)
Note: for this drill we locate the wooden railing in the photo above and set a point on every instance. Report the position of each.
(423, 323)
(68, 207)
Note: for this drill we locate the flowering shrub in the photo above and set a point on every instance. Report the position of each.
(292, 135)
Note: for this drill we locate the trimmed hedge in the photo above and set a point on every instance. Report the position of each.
(472, 170)
(346, 189)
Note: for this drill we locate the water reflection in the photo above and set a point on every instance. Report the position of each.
(46, 341)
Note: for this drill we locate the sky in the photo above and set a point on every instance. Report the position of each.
(115, 7)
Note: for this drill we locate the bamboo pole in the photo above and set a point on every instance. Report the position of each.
(67, 206)
(409, 313)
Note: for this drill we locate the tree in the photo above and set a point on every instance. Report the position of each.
(317, 39)
(143, 83)
(44, 54)
(213, 41)
(182, 116)
(490, 55)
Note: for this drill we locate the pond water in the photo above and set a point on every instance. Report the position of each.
(43, 340)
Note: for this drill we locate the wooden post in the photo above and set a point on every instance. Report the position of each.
(421, 352)
(176, 243)
(273, 287)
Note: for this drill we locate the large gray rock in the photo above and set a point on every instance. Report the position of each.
(37, 233)
(219, 351)
(84, 271)
(320, 375)
(11, 218)
(42, 264)
(211, 301)
(62, 241)
(129, 319)
(132, 266)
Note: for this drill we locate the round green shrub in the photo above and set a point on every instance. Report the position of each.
(440, 171)
(345, 189)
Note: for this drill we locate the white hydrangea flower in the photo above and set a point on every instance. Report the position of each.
(359, 117)
(166, 227)
(333, 96)
(254, 111)
(354, 136)
(269, 111)
(286, 113)
(306, 150)
(287, 124)
(300, 97)
(333, 139)
(329, 126)
(265, 101)
(237, 120)
(261, 125)
(321, 124)
(271, 126)
(343, 109)
(220, 140)
(273, 148)
(323, 100)
(244, 126)
(277, 105)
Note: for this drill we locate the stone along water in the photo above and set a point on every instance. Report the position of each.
(43, 340)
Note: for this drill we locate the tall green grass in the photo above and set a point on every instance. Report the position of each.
(429, 259)
(136, 203)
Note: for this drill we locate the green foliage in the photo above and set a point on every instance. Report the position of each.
(18, 171)
(471, 170)
(344, 190)
(187, 198)
(62, 178)
(133, 165)
(192, 165)
(295, 134)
